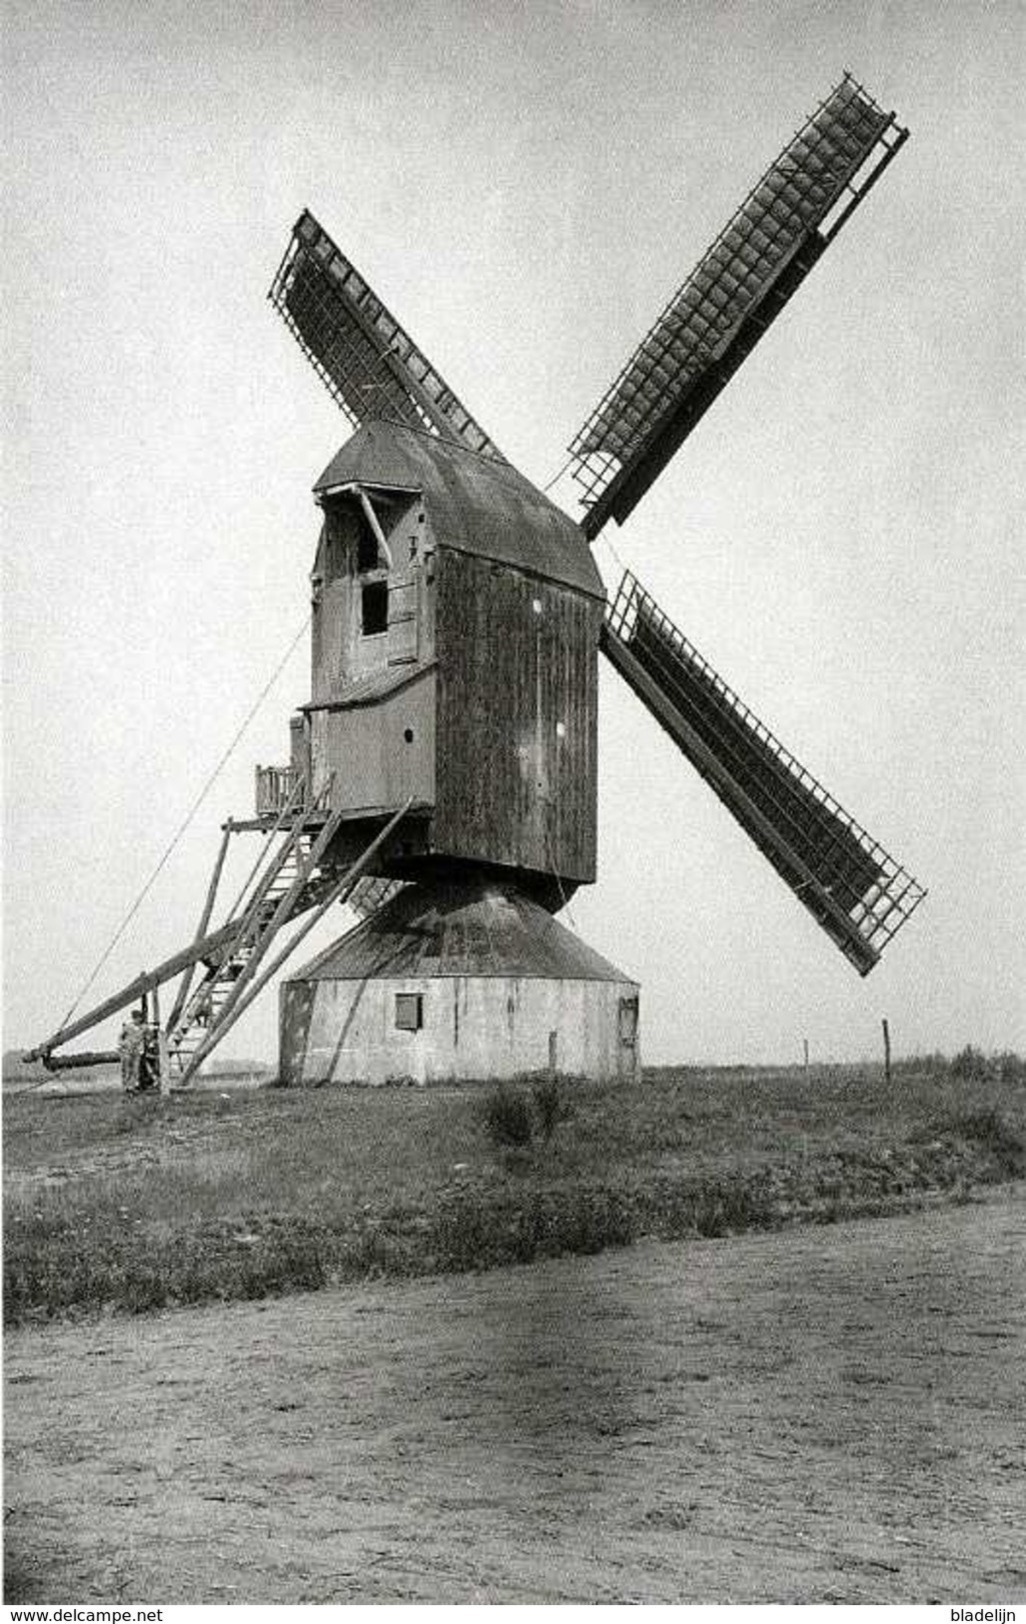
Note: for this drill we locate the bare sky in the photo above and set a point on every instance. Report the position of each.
(524, 185)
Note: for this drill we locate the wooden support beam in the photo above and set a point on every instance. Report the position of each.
(201, 928)
(375, 524)
(208, 947)
(68, 1062)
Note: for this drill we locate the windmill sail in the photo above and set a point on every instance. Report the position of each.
(371, 893)
(852, 887)
(367, 361)
(717, 316)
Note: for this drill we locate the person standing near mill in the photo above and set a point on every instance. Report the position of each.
(130, 1046)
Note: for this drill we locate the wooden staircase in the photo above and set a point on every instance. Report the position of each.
(285, 882)
(233, 960)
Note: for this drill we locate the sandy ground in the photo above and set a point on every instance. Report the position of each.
(835, 1414)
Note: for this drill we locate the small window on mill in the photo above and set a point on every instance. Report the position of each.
(374, 608)
(409, 1011)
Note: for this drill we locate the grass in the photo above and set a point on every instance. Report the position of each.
(134, 1204)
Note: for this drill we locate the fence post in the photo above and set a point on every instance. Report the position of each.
(887, 1050)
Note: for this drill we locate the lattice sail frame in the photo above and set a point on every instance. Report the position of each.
(367, 361)
(740, 285)
(812, 839)
(372, 892)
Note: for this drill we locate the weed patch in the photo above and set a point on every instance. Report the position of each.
(518, 1116)
(509, 1119)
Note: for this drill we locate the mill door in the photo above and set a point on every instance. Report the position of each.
(628, 1033)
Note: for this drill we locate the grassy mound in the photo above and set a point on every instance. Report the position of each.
(136, 1205)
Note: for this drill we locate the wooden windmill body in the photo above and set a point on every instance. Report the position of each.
(442, 774)
(455, 627)
(456, 620)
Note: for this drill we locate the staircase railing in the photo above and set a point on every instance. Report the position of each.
(275, 787)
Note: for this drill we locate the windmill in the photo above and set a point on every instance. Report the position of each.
(442, 776)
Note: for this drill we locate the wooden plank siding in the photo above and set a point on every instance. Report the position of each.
(380, 754)
(517, 718)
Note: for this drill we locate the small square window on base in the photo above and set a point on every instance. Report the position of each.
(409, 1011)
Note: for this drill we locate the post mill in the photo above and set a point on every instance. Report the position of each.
(442, 774)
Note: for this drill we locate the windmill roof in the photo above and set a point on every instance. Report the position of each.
(460, 928)
(372, 686)
(475, 504)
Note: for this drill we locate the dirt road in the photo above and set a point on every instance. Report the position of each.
(835, 1414)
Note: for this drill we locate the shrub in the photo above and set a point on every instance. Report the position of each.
(988, 1129)
(1009, 1067)
(508, 1118)
(970, 1064)
(551, 1106)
